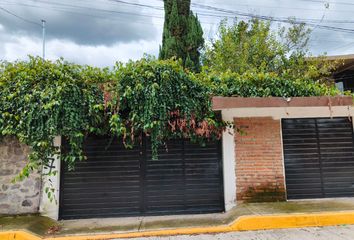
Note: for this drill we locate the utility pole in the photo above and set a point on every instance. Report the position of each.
(43, 38)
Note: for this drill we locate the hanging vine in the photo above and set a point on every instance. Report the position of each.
(40, 100)
(160, 100)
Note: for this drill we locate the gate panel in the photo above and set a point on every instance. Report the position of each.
(337, 156)
(185, 179)
(319, 157)
(115, 181)
(107, 184)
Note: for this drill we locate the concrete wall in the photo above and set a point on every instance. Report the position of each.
(20, 197)
(228, 148)
(51, 208)
(291, 112)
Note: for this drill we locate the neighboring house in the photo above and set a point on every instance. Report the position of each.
(344, 75)
(295, 148)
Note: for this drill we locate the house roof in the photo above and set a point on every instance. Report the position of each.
(348, 61)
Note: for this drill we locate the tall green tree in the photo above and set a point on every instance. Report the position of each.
(254, 46)
(182, 35)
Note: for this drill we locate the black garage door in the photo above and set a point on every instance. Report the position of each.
(115, 181)
(319, 157)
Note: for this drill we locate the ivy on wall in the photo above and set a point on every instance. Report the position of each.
(161, 100)
(42, 99)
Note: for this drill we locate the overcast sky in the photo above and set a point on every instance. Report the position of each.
(100, 32)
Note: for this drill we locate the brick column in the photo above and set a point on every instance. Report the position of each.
(259, 160)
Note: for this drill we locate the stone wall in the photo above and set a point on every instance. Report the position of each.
(20, 197)
(259, 160)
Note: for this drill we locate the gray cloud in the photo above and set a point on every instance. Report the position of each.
(80, 21)
(121, 32)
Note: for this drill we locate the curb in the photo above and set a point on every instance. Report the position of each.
(18, 235)
(244, 223)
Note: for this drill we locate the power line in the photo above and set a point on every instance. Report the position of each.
(273, 19)
(19, 17)
(69, 7)
(332, 2)
(87, 8)
(138, 4)
(291, 8)
(205, 14)
(240, 4)
(264, 17)
(31, 22)
(342, 46)
(309, 22)
(203, 11)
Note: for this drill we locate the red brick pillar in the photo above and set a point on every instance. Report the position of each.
(259, 160)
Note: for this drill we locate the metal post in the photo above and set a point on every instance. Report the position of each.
(43, 38)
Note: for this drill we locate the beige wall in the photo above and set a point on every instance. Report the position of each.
(291, 112)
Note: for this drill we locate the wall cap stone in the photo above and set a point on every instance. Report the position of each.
(220, 103)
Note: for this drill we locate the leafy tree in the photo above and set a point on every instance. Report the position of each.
(182, 35)
(254, 46)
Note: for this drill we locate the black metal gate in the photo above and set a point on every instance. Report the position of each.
(115, 181)
(319, 157)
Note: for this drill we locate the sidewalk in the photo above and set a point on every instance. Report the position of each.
(255, 216)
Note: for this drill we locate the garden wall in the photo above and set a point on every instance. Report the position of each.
(20, 197)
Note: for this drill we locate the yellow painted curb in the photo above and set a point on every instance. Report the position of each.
(18, 235)
(244, 223)
(247, 223)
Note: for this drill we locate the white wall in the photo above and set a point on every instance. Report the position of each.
(228, 148)
(51, 208)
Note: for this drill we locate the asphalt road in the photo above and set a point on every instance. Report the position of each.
(345, 232)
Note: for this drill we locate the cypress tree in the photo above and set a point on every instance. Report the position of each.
(182, 34)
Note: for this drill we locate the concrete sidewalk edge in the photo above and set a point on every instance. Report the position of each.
(244, 223)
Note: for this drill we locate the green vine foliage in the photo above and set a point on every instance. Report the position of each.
(40, 100)
(161, 100)
(252, 84)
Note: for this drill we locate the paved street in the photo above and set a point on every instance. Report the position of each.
(324, 233)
